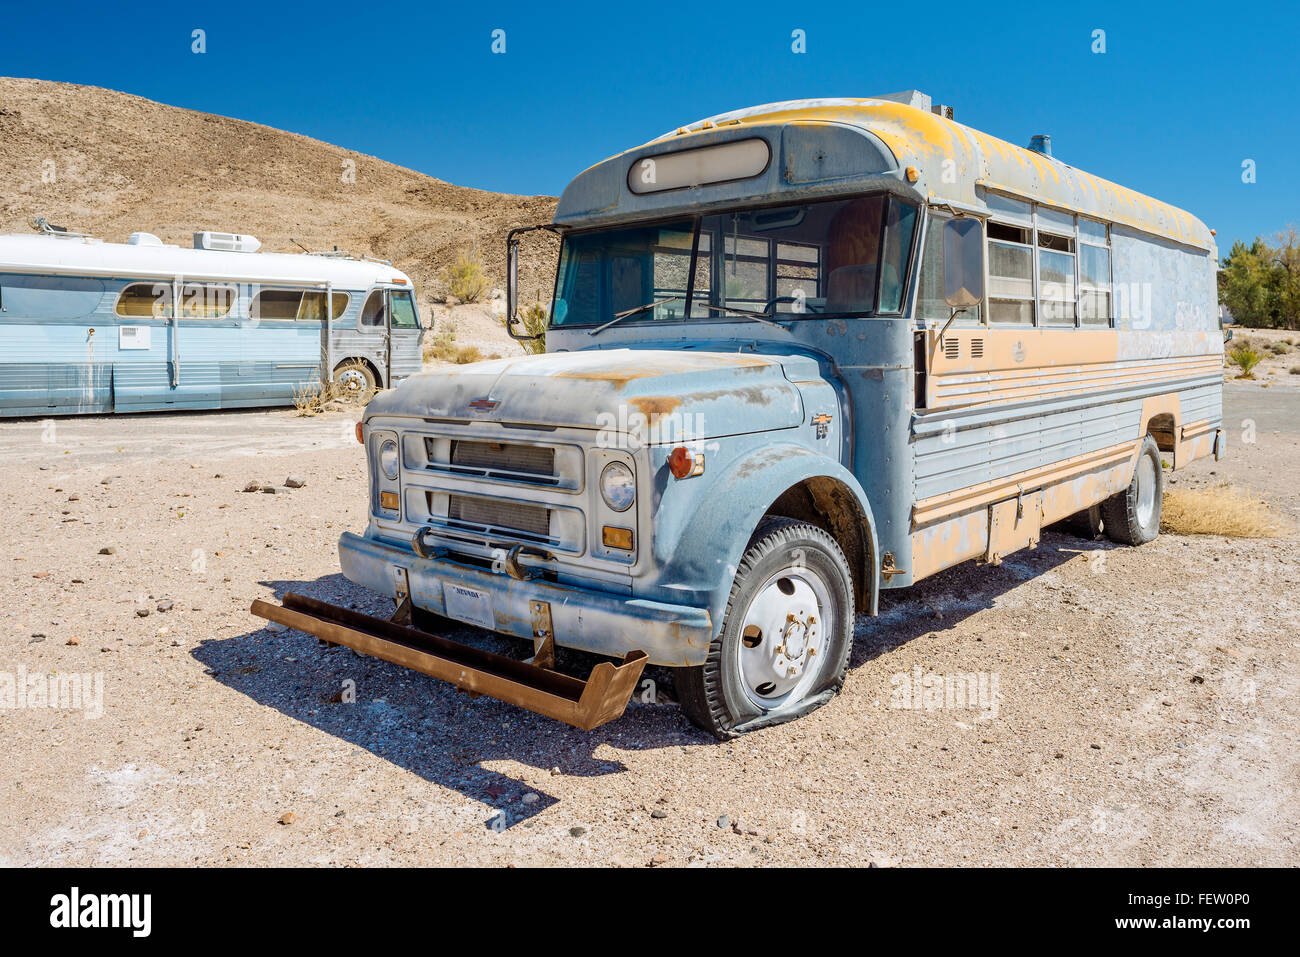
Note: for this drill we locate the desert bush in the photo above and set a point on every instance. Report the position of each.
(1246, 358)
(442, 347)
(534, 319)
(313, 398)
(1220, 509)
(1294, 370)
(465, 278)
(1279, 349)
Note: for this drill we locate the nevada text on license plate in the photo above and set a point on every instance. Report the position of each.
(469, 605)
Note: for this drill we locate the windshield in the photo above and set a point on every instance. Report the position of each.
(832, 258)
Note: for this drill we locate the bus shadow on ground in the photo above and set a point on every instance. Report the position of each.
(430, 729)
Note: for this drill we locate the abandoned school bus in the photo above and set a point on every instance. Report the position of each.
(797, 354)
(92, 327)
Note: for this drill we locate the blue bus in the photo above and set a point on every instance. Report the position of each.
(88, 326)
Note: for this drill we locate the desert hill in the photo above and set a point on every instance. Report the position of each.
(109, 163)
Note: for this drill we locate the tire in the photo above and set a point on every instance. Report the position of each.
(1132, 517)
(790, 573)
(1085, 524)
(355, 381)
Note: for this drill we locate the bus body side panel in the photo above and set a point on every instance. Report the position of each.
(1024, 426)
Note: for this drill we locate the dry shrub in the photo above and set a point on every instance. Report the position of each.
(465, 277)
(313, 398)
(443, 347)
(1220, 509)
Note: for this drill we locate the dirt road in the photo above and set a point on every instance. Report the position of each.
(1135, 706)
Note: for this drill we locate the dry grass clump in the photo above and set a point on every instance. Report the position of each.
(465, 278)
(1220, 509)
(444, 348)
(311, 398)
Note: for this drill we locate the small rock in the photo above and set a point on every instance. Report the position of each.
(288, 817)
(142, 611)
(74, 640)
(658, 859)
(74, 497)
(724, 821)
(658, 814)
(166, 605)
(253, 487)
(270, 490)
(295, 481)
(530, 798)
(577, 831)
(276, 627)
(108, 550)
(1095, 747)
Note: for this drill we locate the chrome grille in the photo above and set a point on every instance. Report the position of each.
(532, 520)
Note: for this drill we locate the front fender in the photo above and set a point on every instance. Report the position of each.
(703, 524)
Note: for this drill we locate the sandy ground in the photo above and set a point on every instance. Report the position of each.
(1146, 711)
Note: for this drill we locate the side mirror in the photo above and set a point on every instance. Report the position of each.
(512, 278)
(963, 262)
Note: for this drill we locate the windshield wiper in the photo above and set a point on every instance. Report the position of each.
(620, 316)
(763, 317)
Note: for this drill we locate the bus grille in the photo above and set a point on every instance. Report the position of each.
(532, 520)
(505, 459)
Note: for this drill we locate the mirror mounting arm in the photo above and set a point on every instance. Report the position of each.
(512, 275)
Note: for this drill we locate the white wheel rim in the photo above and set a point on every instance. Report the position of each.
(353, 381)
(783, 636)
(1146, 490)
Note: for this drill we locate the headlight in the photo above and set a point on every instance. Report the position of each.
(617, 486)
(388, 458)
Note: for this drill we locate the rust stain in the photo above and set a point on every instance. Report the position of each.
(656, 405)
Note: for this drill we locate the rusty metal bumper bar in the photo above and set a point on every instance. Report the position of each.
(583, 704)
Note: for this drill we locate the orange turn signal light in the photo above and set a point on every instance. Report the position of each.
(360, 437)
(389, 500)
(615, 537)
(682, 462)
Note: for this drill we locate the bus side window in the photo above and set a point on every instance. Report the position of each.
(930, 302)
(403, 311)
(372, 313)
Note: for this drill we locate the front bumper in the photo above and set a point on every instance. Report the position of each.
(583, 618)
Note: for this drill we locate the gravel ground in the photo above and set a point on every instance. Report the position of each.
(1145, 709)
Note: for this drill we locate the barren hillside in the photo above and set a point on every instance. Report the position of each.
(109, 163)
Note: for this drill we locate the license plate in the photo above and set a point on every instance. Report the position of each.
(469, 605)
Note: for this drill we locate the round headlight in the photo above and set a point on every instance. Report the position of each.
(388, 457)
(617, 486)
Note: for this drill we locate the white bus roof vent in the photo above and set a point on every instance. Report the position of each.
(227, 242)
(144, 239)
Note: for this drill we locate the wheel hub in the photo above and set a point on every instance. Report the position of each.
(782, 636)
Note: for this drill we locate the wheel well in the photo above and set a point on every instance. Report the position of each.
(361, 360)
(1163, 428)
(831, 505)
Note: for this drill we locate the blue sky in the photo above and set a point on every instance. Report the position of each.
(1183, 94)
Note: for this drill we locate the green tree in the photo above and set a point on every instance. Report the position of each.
(1244, 283)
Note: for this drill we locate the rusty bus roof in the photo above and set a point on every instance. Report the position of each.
(927, 141)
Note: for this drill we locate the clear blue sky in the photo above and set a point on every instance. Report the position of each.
(1183, 94)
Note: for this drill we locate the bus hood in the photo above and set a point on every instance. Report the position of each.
(676, 394)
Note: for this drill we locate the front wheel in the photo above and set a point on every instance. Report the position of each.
(784, 644)
(355, 381)
(1132, 517)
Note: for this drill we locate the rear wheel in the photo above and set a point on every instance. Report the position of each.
(785, 640)
(355, 381)
(1132, 517)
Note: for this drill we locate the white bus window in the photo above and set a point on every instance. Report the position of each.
(276, 304)
(404, 311)
(146, 300)
(930, 301)
(205, 301)
(1094, 285)
(1011, 275)
(1056, 295)
(312, 307)
(372, 313)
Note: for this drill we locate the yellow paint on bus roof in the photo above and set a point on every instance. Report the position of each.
(928, 141)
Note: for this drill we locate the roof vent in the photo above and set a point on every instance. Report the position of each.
(1041, 143)
(144, 239)
(227, 242)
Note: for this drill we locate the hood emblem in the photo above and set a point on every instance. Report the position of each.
(822, 422)
(483, 404)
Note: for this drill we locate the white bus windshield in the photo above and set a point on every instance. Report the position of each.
(843, 257)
